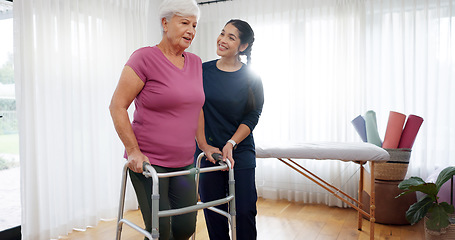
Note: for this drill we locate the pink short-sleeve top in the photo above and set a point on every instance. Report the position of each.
(167, 108)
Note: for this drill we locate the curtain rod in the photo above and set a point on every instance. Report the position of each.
(213, 1)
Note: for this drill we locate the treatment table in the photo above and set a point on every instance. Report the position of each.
(358, 152)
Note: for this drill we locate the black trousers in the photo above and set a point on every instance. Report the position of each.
(175, 192)
(214, 185)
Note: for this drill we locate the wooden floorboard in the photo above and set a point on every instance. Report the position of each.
(280, 220)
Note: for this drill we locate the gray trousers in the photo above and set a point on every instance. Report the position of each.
(175, 192)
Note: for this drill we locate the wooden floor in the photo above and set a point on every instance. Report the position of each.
(280, 220)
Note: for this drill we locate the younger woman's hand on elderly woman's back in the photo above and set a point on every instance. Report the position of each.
(136, 160)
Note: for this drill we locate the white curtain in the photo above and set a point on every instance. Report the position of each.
(325, 62)
(68, 59)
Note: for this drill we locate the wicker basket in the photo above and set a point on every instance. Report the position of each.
(396, 168)
(445, 233)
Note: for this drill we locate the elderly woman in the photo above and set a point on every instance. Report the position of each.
(165, 83)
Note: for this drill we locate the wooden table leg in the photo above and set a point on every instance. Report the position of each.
(372, 202)
(359, 215)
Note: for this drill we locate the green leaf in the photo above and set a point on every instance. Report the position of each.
(437, 218)
(403, 193)
(419, 209)
(447, 207)
(444, 176)
(427, 188)
(412, 181)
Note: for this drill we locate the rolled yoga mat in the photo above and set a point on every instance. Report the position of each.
(372, 128)
(359, 125)
(394, 130)
(410, 131)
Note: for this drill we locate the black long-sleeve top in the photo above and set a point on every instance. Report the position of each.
(225, 108)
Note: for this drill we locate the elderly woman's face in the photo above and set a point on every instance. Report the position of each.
(180, 31)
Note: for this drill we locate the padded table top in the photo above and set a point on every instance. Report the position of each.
(345, 151)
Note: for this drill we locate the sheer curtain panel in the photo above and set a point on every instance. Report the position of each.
(68, 59)
(325, 62)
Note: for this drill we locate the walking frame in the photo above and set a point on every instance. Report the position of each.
(149, 171)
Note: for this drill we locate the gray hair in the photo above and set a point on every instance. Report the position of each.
(184, 8)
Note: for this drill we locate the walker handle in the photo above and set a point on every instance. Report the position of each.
(144, 166)
(218, 158)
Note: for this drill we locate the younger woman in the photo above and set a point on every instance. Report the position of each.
(233, 103)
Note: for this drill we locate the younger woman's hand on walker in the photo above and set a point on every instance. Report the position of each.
(227, 154)
(209, 151)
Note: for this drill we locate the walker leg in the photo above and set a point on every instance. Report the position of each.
(232, 207)
(196, 178)
(155, 205)
(233, 227)
(121, 202)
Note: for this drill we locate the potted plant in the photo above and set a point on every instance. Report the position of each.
(438, 215)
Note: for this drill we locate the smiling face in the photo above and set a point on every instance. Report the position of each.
(180, 31)
(228, 42)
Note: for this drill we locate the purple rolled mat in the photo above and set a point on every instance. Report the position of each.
(410, 131)
(359, 125)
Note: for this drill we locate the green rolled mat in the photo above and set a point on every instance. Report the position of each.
(372, 128)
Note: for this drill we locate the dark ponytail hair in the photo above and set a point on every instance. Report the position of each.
(246, 35)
